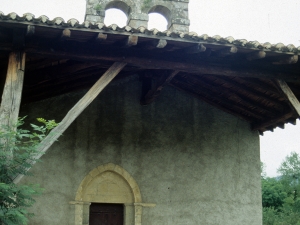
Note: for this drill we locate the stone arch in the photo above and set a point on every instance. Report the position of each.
(105, 173)
(121, 5)
(109, 183)
(164, 11)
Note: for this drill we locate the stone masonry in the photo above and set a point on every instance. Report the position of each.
(175, 12)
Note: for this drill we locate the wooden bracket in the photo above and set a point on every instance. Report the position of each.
(227, 51)
(101, 37)
(196, 49)
(30, 30)
(132, 40)
(155, 90)
(160, 43)
(256, 55)
(289, 60)
(66, 34)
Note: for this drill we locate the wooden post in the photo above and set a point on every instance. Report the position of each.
(104, 80)
(11, 97)
(288, 93)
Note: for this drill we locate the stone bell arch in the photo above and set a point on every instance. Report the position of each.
(175, 12)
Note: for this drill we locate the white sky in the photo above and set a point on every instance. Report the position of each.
(271, 21)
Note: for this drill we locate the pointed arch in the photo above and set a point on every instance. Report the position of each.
(105, 174)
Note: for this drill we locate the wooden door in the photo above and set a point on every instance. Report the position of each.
(106, 214)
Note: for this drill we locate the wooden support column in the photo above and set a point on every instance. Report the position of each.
(104, 80)
(11, 97)
(294, 102)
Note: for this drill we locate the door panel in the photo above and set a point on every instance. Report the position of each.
(106, 214)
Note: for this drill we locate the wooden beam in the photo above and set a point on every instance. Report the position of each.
(289, 60)
(101, 37)
(256, 55)
(11, 97)
(159, 63)
(66, 34)
(160, 43)
(289, 95)
(132, 40)
(155, 91)
(142, 59)
(230, 94)
(104, 80)
(270, 124)
(196, 49)
(227, 51)
(30, 30)
(204, 96)
(208, 94)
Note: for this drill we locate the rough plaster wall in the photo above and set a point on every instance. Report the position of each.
(197, 163)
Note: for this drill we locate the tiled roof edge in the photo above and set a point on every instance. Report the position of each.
(58, 21)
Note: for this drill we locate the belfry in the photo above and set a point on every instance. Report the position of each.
(175, 12)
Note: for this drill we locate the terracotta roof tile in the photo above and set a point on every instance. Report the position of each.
(74, 23)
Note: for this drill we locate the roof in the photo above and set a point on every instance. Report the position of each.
(238, 76)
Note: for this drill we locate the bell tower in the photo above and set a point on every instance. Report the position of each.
(175, 12)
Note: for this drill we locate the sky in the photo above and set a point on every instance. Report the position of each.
(271, 21)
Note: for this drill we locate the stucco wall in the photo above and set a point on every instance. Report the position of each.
(199, 165)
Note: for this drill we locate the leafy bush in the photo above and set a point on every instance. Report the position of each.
(17, 152)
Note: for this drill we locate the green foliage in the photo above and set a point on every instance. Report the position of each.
(273, 193)
(17, 151)
(98, 7)
(281, 203)
(290, 174)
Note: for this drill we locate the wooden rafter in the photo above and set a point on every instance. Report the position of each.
(229, 95)
(140, 59)
(156, 89)
(104, 80)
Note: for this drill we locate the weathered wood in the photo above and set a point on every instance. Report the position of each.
(270, 124)
(30, 30)
(132, 40)
(200, 94)
(66, 34)
(228, 94)
(227, 51)
(289, 60)
(289, 95)
(256, 55)
(11, 97)
(244, 89)
(160, 43)
(196, 49)
(101, 37)
(208, 94)
(163, 63)
(155, 91)
(104, 80)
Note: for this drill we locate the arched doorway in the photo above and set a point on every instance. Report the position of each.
(109, 184)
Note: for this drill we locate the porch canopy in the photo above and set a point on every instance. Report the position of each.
(257, 82)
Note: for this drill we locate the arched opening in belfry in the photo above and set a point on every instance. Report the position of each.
(116, 12)
(159, 18)
(157, 21)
